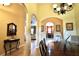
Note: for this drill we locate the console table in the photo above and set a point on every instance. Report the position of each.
(10, 45)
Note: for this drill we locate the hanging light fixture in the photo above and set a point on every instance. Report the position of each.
(62, 8)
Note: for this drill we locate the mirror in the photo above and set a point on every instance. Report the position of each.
(11, 29)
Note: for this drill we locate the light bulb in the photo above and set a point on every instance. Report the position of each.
(58, 9)
(65, 7)
(69, 3)
(55, 5)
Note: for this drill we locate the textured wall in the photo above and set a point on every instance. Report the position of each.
(11, 14)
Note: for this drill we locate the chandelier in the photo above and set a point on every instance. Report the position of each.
(62, 8)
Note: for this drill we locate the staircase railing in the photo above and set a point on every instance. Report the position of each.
(65, 47)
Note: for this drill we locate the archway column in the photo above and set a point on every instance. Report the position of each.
(38, 34)
(27, 33)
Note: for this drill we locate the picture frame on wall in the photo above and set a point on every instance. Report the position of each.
(11, 29)
(58, 28)
(69, 26)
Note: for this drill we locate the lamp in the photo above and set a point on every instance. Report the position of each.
(62, 8)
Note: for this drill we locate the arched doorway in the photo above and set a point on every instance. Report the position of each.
(33, 27)
(53, 28)
(33, 33)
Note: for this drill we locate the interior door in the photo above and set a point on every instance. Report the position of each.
(49, 32)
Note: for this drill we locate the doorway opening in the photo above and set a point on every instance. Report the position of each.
(33, 34)
(52, 28)
(33, 27)
(49, 30)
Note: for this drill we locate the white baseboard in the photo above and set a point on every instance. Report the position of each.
(3, 54)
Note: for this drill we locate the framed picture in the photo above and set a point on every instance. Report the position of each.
(69, 26)
(58, 28)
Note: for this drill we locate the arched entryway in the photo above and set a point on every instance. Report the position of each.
(33, 33)
(52, 28)
(33, 27)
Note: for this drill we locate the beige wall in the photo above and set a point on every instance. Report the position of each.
(14, 13)
(77, 17)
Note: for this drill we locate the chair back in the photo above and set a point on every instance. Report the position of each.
(43, 48)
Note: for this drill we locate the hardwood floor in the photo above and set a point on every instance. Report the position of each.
(34, 51)
(53, 49)
(23, 51)
(56, 50)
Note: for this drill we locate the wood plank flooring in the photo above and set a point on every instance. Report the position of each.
(23, 51)
(53, 49)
